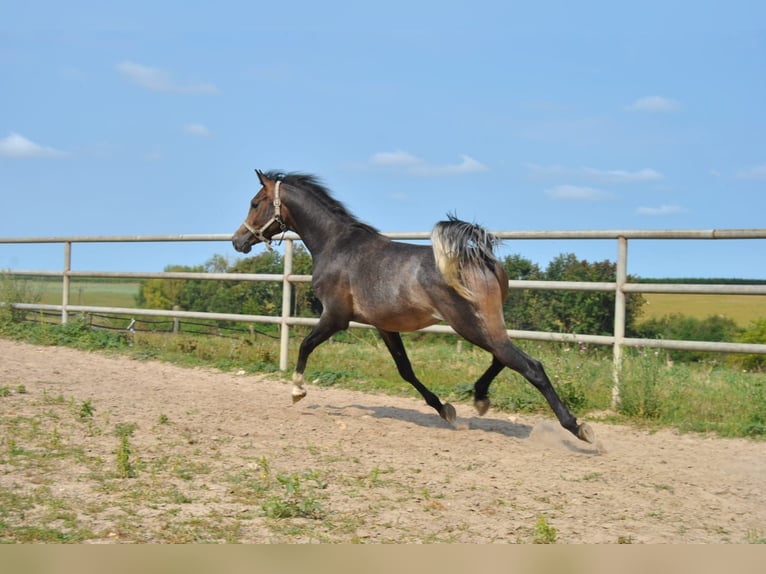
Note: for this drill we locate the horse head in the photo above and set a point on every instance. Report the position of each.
(264, 218)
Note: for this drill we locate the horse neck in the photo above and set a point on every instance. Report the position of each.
(315, 223)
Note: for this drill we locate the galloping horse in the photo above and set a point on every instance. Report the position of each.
(360, 275)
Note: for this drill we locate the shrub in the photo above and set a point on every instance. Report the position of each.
(15, 290)
(685, 328)
(754, 333)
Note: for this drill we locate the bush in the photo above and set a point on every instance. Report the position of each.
(755, 333)
(15, 290)
(566, 311)
(684, 328)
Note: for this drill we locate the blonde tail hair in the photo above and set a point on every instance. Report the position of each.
(459, 246)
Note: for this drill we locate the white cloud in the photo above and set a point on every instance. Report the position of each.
(622, 176)
(413, 165)
(577, 193)
(653, 104)
(661, 210)
(17, 146)
(197, 130)
(596, 175)
(757, 172)
(395, 158)
(157, 80)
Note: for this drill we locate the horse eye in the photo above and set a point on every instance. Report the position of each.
(254, 205)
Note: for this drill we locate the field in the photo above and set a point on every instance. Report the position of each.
(97, 293)
(98, 447)
(740, 308)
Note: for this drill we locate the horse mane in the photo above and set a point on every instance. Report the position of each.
(317, 190)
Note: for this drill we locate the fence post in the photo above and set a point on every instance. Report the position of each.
(619, 317)
(65, 282)
(287, 296)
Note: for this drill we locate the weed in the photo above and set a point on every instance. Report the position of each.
(544, 533)
(55, 439)
(124, 429)
(125, 466)
(189, 470)
(86, 410)
(297, 497)
(329, 377)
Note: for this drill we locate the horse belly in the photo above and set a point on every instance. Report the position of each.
(398, 315)
(405, 322)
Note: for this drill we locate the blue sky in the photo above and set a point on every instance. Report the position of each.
(150, 117)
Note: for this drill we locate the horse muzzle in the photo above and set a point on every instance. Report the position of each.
(243, 240)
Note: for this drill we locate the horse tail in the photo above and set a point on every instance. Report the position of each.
(460, 247)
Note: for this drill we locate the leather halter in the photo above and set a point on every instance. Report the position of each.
(276, 218)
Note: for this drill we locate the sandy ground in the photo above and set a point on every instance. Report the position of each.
(392, 463)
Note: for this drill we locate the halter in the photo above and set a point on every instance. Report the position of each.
(276, 218)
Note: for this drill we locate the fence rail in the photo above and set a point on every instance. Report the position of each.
(620, 286)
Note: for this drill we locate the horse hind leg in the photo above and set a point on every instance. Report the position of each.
(395, 346)
(532, 370)
(505, 353)
(481, 387)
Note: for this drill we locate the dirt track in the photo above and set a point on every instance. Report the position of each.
(392, 470)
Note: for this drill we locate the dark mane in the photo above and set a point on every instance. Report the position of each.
(314, 186)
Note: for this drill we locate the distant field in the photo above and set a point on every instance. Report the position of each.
(739, 308)
(98, 293)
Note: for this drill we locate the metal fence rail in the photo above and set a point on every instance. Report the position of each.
(620, 286)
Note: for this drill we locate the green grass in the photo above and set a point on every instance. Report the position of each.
(708, 396)
(711, 395)
(116, 293)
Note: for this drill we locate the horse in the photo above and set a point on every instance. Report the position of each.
(361, 275)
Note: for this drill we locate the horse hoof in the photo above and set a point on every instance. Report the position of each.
(585, 432)
(482, 406)
(298, 395)
(449, 414)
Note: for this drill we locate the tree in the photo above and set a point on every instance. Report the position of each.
(522, 308)
(164, 293)
(246, 297)
(590, 312)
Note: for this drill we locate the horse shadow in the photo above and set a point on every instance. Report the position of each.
(544, 433)
(431, 420)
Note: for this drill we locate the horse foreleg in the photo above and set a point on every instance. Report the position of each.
(323, 330)
(395, 346)
(481, 386)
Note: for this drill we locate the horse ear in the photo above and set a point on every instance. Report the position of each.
(261, 176)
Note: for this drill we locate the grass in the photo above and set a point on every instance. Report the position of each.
(118, 293)
(707, 396)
